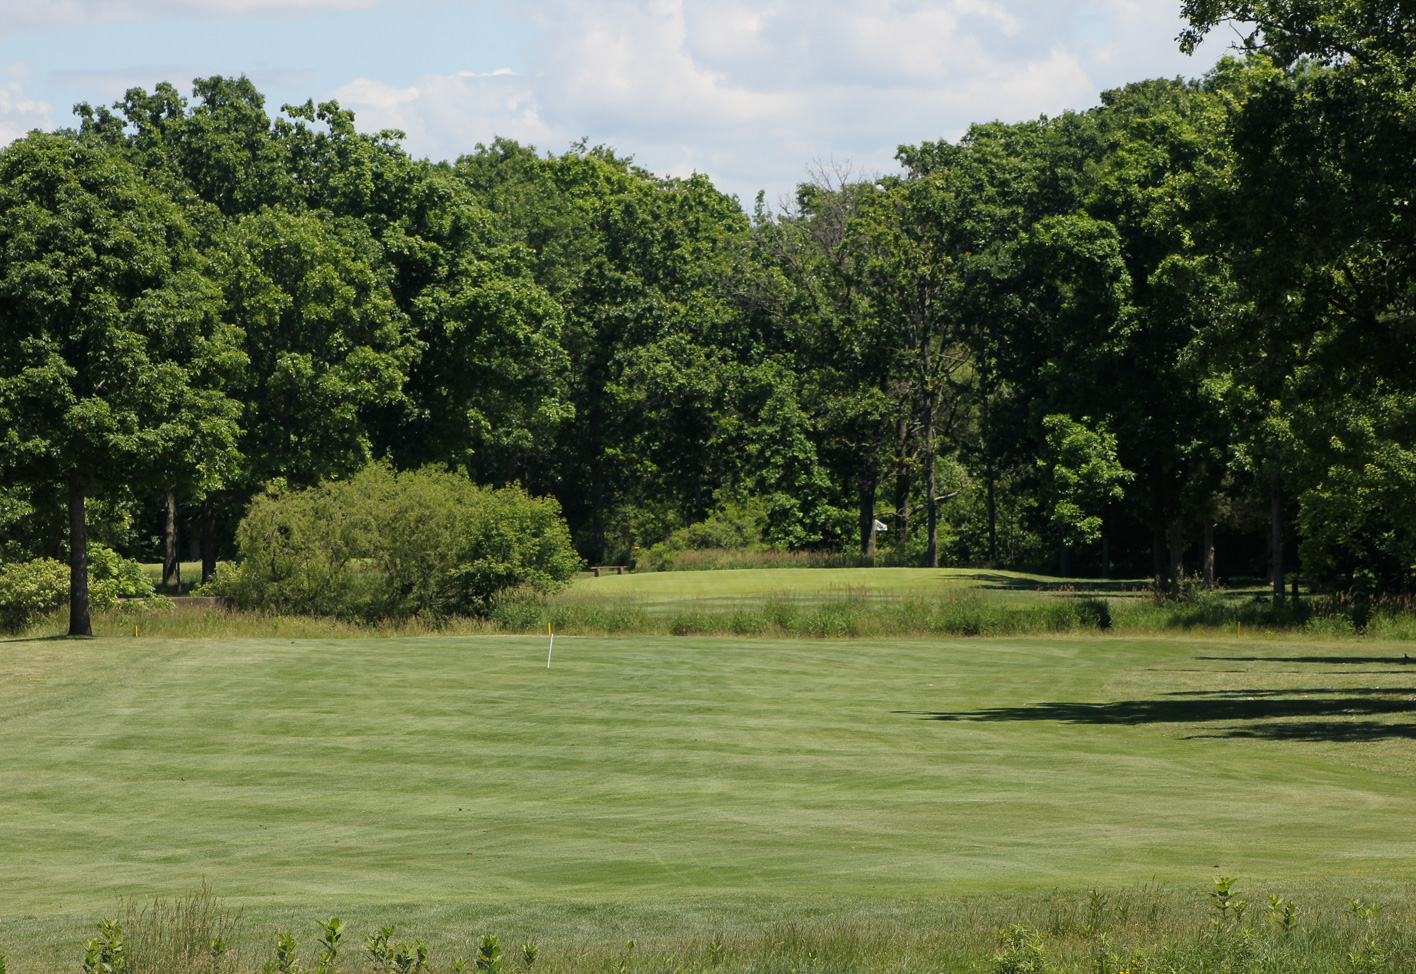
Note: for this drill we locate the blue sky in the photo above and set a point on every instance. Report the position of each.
(752, 93)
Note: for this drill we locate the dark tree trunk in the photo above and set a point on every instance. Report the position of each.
(1064, 555)
(1105, 547)
(1276, 537)
(902, 491)
(992, 505)
(1176, 571)
(869, 480)
(931, 501)
(1207, 552)
(1158, 558)
(79, 623)
(208, 538)
(171, 551)
(990, 498)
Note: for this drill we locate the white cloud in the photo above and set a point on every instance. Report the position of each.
(20, 113)
(751, 92)
(446, 116)
(28, 14)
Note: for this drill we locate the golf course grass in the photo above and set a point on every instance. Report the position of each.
(744, 584)
(715, 775)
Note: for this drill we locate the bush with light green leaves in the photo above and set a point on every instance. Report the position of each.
(31, 589)
(386, 545)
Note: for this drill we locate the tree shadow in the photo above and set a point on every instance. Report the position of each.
(1079, 586)
(1329, 660)
(1313, 715)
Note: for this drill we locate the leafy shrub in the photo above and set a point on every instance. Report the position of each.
(113, 577)
(1021, 953)
(386, 545)
(735, 525)
(29, 590)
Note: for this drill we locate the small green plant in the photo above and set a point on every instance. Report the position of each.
(1021, 952)
(1283, 914)
(489, 959)
(1098, 906)
(528, 954)
(3, 968)
(380, 947)
(331, 937)
(1369, 958)
(715, 951)
(1364, 911)
(1225, 899)
(459, 965)
(399, 957)
(218, 947)
(105, 954)
(284, 963)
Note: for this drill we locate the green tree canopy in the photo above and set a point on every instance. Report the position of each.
(114, 361)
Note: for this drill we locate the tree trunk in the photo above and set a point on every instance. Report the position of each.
(1176, 570)
(990, 499)
(1158, 559)
(869, 479)
(992, 505)
(1207, 552)
(208, 538)
(1105, 547)
(1064, 555)
(931, 501)
(79, 623)
(171, 552)
(902, 491)
(1276, 537)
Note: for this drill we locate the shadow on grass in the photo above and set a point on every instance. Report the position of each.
(1330, 660)
(1328, 714)
(1082, 586)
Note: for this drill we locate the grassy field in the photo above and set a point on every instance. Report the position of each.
(659, 785)
(749, 583)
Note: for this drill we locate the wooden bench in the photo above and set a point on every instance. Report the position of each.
(618, 569)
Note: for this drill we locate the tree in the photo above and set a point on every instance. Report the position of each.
(325, 340)
(112, 351)
(1313, 217)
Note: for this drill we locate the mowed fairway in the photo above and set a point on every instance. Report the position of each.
(433, 770)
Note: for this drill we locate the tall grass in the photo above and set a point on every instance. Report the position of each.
(192, 934)
(841, 614)
(838, 613)
(1145, 930)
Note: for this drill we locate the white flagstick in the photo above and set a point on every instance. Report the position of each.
(551, 647)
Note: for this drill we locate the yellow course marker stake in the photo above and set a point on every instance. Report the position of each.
(551, 647)
(135, 632)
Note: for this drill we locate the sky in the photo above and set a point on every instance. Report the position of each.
(754, 94)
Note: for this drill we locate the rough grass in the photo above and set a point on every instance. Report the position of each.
(804, 603)
(1136, 929)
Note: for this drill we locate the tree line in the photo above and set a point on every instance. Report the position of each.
(1169, 334)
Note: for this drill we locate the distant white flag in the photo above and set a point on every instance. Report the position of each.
(879, 526)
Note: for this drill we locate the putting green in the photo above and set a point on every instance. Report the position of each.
(754, 583)
(456, 770)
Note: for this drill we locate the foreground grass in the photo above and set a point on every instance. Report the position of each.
(659, 789)
(1134, 930)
